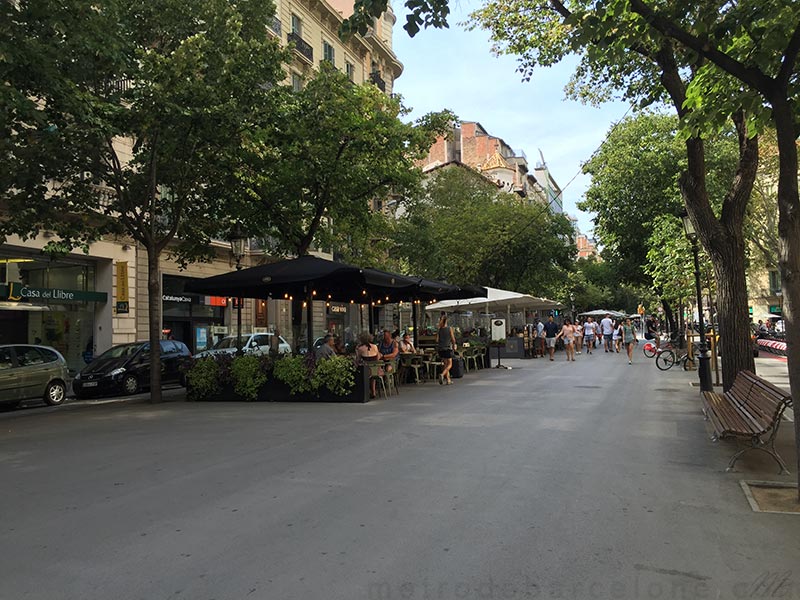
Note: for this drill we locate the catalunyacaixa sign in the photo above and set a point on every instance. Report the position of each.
(18, 292)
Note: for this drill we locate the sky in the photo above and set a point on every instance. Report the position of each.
(455, 69)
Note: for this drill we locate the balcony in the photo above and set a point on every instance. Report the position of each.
(275, 26)
(376, 78)
(302, 47)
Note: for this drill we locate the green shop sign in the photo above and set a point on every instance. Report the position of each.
(17, 292)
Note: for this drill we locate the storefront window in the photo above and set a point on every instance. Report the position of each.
(50, 302)
(196, 320)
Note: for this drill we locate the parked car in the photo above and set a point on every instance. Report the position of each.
(126, 369)
(29, 372)
(256, 343)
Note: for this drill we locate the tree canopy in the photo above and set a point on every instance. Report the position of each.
(308, 180)
(462, 229)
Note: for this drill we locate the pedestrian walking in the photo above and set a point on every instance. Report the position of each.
(578, 336)
(617, 336)
(550, 332)
(446, 345)
(540, 337)
(607, 327)
(588, 333)
(568, 333)
(629, 339)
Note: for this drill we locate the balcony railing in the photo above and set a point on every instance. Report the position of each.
(275, 26)
(376, 78)
(302, 47)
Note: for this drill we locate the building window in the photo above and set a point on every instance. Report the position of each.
(297, 82)
(350, 69)
(328, 53)
(297, 25)
(774, 282)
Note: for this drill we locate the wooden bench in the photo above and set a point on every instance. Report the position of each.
(751, 409)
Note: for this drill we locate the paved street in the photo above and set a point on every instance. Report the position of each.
(591, 479)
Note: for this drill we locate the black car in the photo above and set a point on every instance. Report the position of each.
(126, 369)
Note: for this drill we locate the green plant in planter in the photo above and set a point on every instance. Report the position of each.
(248, 376)
(292, 371)
(336, 373)
(202, 379)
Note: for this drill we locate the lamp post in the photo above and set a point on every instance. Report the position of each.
(238, 241)
(704, 364)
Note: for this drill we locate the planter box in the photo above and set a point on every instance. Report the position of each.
(277, 391)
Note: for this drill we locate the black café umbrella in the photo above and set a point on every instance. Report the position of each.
(303, 277)
(308, 278)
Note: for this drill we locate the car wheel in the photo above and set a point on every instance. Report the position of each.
(55, 393)
(130, 385)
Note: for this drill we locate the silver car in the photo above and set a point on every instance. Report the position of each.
(30, 372)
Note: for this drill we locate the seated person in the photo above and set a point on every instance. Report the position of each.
(406, 345)
(366, 350)
(388, 347)
(327, 349)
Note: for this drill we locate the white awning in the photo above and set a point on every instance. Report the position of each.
(497, 300)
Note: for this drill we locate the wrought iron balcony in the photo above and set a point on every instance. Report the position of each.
(302, 47)
(275, 26)
(376, 78)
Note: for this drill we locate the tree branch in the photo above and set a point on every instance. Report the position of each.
(789, 59)
(752, 76)
(734, 205)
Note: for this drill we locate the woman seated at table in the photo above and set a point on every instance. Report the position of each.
(366, 352)
(406, 346)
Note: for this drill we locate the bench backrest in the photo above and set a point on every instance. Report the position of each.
(761, 400)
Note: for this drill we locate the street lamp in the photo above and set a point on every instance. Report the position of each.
(704, 360)
(238, 241)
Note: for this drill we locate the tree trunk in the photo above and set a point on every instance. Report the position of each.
(734, 319)
(789, 258)
(154, 315)
(669, 316)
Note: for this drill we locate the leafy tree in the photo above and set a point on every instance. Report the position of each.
(630, 196)
(154, 99)
(762, 214)
(307, 181)
(462, 229)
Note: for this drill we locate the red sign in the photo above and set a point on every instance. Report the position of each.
(216, 301)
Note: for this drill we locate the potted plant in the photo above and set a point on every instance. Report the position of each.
(334, 378)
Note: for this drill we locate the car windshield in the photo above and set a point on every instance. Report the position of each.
(122, 351)
(228, 342)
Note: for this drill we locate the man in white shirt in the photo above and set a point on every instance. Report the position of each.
(607, 326)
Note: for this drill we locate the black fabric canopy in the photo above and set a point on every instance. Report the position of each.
(309, 277)
(320, 279)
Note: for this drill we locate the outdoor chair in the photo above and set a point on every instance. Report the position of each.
(470, 354)
(410, 362)
(375, 373)
(392, 376)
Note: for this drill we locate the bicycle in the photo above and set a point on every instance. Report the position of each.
(666, 359)
(651, 349)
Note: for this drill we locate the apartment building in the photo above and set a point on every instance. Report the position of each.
(471, 144)
(82, 304)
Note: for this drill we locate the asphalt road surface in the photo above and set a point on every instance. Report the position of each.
(591, 479)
